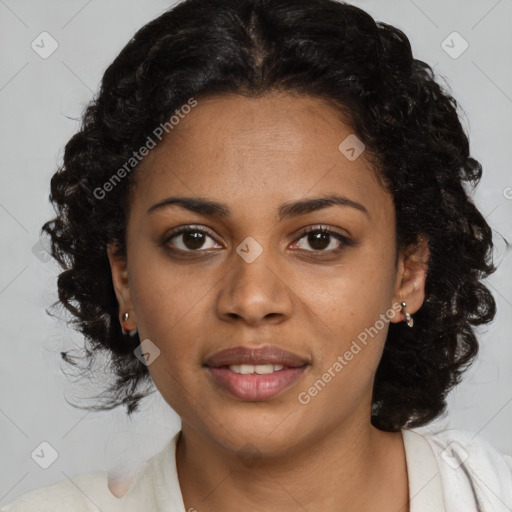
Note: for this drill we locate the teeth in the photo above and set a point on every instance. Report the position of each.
(260, 369)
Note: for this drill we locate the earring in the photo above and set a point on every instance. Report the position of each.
(408, 317)
(124, 319)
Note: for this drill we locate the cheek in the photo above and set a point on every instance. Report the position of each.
(356, 289)
(167, 302)
(349, 302)
(166, 305)
(353, 308)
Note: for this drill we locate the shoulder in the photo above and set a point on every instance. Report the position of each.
(458, 447)
(154, 486)
(77, 494)
(470, 465)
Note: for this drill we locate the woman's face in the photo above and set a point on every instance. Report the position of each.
(252, 277)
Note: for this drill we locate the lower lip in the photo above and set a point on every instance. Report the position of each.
(255, 387)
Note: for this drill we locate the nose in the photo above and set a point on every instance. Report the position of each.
(255, 292)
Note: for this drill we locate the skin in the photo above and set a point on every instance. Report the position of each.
(254, 154)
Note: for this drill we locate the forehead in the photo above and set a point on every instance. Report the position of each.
(259, 150)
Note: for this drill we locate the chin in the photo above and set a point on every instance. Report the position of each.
(254, 427)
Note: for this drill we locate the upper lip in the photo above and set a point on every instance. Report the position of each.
(254, 356)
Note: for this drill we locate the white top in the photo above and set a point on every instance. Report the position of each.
(451, 471)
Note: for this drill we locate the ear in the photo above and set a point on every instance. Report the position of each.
(121, 282)
(411, 278)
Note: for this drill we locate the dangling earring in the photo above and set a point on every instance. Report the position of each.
(408, 317)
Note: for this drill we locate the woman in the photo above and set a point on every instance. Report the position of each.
(265, 213)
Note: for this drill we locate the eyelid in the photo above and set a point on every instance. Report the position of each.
(189, 227)
(344, 239)
(324, 228)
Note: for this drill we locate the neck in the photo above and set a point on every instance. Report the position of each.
(351, 469)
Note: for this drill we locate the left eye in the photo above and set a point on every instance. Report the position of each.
(321, 239)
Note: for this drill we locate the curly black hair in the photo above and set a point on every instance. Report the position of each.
(321, 48)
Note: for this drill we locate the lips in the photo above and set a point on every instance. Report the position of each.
(255, 374)
(255, 356)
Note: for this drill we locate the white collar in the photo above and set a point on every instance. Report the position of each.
(425, 489)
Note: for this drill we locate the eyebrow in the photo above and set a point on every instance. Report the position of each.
(286, 210)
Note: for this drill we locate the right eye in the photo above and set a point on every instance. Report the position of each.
(189, 238)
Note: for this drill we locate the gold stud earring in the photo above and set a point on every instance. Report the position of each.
(408, 317)
(126, 316)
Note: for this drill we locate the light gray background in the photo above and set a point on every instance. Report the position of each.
(37, 99)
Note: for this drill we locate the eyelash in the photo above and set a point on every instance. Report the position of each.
(315, 229)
